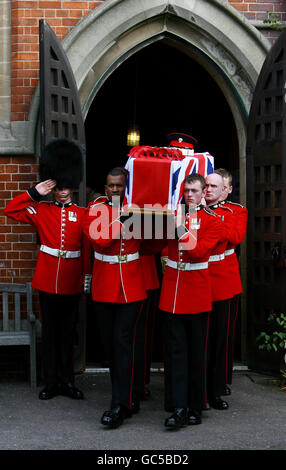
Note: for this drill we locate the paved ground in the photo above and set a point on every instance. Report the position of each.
(255, 420)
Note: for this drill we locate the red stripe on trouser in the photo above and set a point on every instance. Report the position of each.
(206, 353)
(227, 336)
(155, 305)
(133, 354)
(145, 340)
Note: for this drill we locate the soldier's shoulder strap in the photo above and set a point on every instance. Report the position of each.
(236, 204)
(209, 211)
(99, 200)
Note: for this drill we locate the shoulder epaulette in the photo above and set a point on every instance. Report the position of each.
(236, 204)
(100, 197)
(99, 200)
(95, 204)
(225, 208)
(210, 211)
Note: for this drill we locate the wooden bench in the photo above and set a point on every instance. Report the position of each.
(12, 332)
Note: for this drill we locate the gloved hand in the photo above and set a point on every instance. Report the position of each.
(164, 260)
(125, 216)
(87, 283)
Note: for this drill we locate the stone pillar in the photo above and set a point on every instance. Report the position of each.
(15, 137)
(5, 62)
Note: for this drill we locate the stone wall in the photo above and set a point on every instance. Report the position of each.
(259, 9)
(62, 16)
(18, 248)
(25, 15)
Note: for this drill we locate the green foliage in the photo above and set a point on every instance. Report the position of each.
(275, 338)
(274, 21)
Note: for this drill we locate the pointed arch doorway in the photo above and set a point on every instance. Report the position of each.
(211, 35)
(162, 89)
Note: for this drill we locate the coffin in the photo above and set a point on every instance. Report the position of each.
(156, 177)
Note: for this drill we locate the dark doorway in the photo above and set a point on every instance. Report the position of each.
(164, 90)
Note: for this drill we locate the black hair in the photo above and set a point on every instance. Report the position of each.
(119, 170)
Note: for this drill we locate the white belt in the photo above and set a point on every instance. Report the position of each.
(60, 253)
(186, 266)
(216, 257)
(116, 258)
(229, 252)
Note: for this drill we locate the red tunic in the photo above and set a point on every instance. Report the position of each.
(186, 292)
(59, 227)
(221, 282)
(150, 272)
(118, 282)
(237, 234)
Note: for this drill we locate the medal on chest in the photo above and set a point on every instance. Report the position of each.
(72, 216)
(194, 223)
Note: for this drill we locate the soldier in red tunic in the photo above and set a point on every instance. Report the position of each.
(62, 261)
(240, 216)
(186, 298)
(222, 293)
(118, 291)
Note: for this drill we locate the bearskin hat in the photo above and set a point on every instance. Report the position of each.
(62, 161)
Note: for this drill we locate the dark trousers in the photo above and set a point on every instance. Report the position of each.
(59, 317)
(234, 304)
(218, 348)
(186, 338)
(117, 324)
(144, 343)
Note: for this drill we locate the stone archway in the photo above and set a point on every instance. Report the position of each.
(117, 28)
(210, 31)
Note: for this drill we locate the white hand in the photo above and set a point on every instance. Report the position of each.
(180, 217)
(87, 283)
(45, 187)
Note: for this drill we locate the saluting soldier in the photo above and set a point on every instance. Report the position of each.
(236, 237)
(62, 261)
(187, 300)
(118, 291)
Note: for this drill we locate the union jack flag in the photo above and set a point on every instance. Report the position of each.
(159, 179)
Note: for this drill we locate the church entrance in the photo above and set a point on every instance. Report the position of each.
(160, 89)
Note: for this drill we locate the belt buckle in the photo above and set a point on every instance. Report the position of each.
(181, 266)
(62, 254)
(122, 258)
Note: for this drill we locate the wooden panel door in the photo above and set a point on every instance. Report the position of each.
(266, 200)
(61, 116)
(60, 110)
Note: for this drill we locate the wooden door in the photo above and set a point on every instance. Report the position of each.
(266, 200)
(61, 116)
